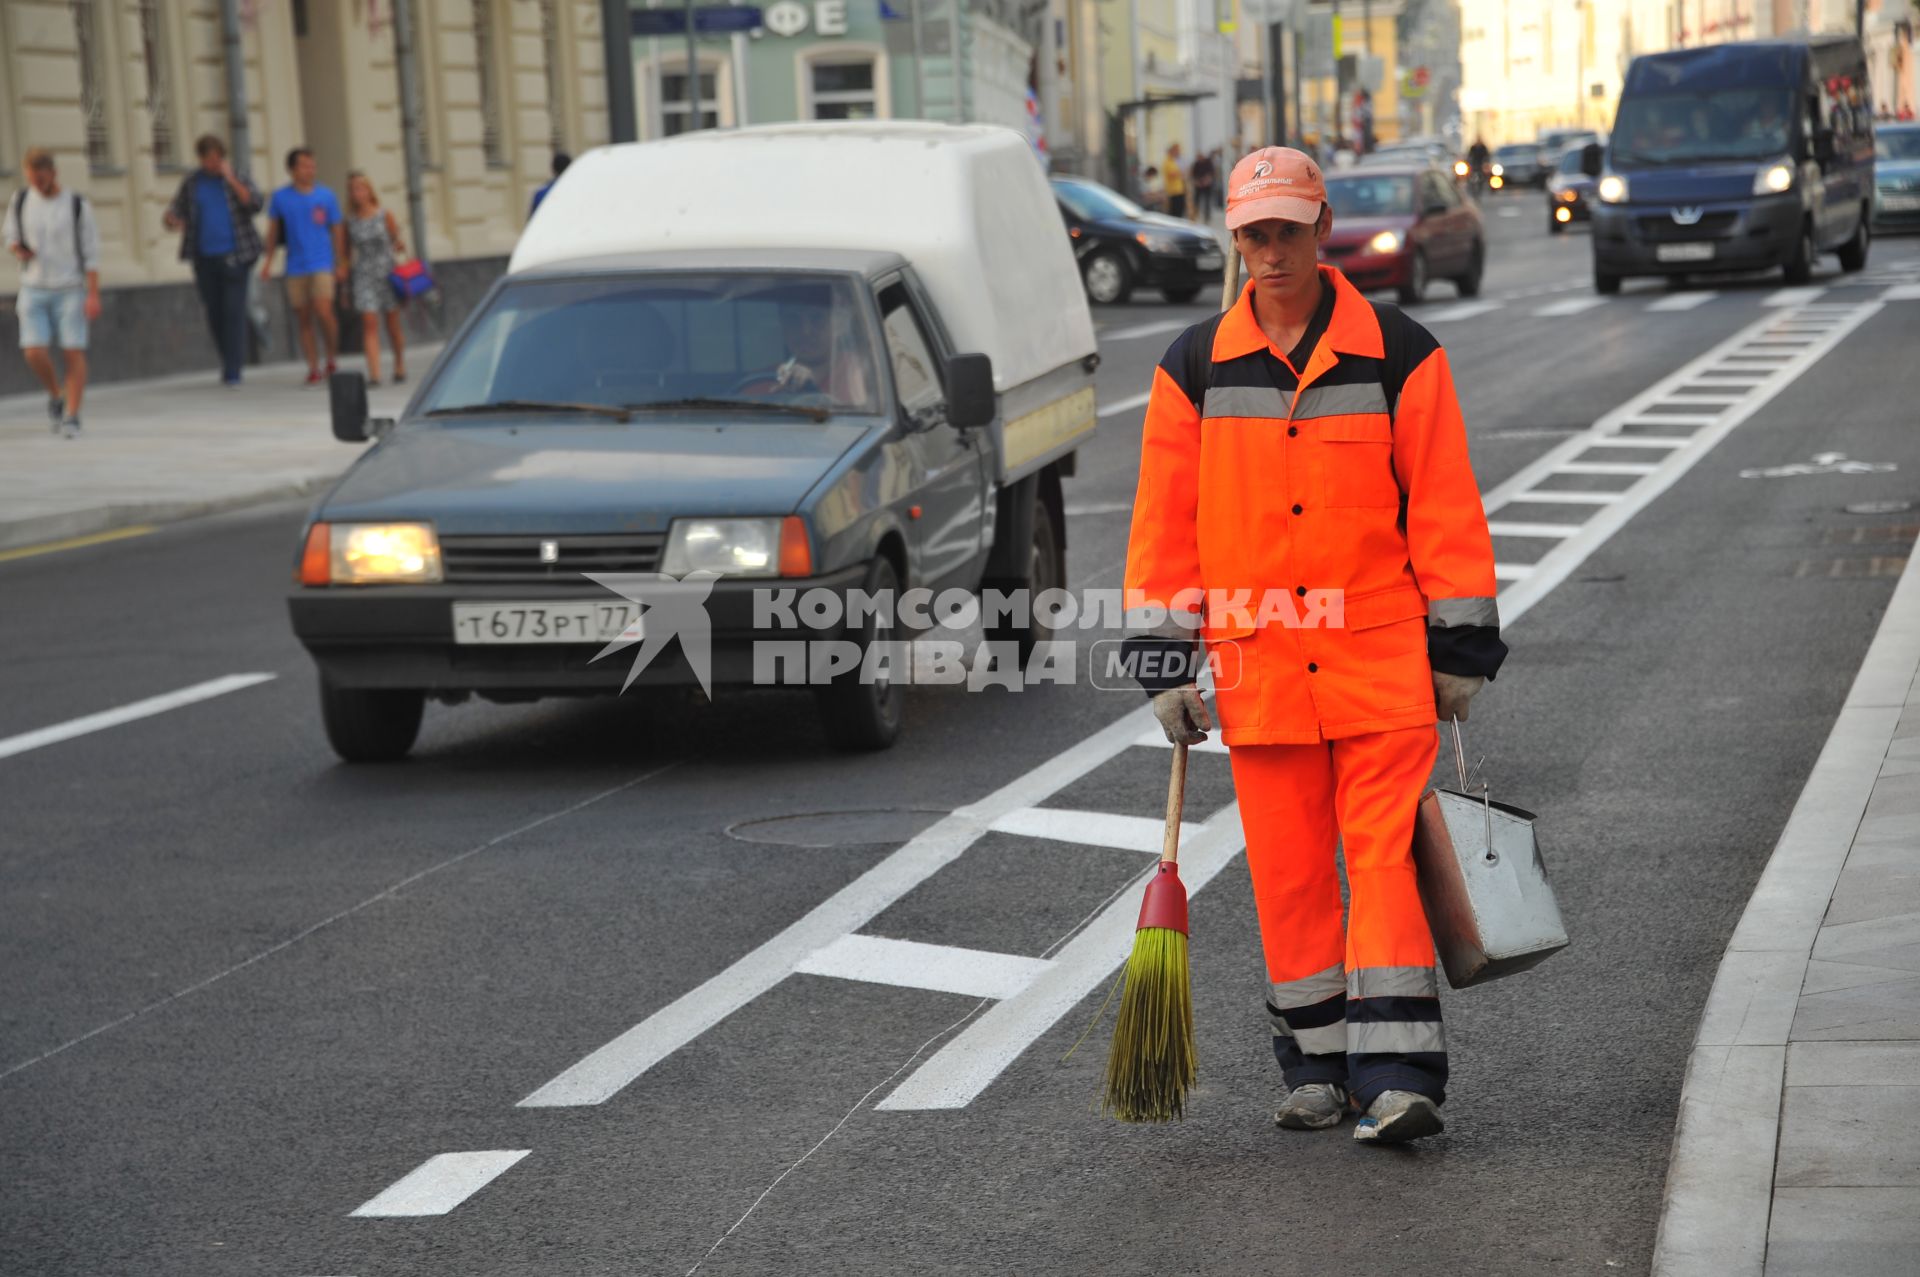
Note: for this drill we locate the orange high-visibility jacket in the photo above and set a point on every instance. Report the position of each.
(1352, 476)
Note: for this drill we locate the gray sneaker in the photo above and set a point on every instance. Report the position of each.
(1399, 1116)
(70, 428)
(56, 413)
(1313, 1107)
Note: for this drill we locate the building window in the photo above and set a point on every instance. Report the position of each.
(842, 90)
(673, 101)
(488, 74)
(153, 46)
(93, 83)
(556, 77)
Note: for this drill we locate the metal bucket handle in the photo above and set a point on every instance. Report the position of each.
(1466, 786)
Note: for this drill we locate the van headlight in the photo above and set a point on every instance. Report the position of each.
(1773, 179)
(1613, 189)
(731, 547)
(383, 553)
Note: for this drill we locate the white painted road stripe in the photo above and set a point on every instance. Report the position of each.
(1156, 738)
(1604, 467)
(1552, 531)
(966, 1066)
(1682, 301)
(1571, 306)
(1459, 310)
(1799, 296)
(1902, 293)
(129, 713)
(1567, 498)
(602, 1074)
(1147, 330)
(912, 965)
(1512, 571)
(1089, 828)
(1124, 405)
(1640, 441)
(441, 1183)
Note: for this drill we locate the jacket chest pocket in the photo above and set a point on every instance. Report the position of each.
(1356, 461)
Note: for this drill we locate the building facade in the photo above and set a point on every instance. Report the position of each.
(120, 89)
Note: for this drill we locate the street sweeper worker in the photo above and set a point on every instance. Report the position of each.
(1305, 499)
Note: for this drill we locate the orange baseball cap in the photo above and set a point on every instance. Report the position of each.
(1275, 182)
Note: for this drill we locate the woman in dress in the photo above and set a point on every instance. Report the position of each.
(373, 244)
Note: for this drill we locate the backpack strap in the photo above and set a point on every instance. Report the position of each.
(20, 217)
(79, 243)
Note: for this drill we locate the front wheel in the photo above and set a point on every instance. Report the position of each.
(370, 725)
(1416, 286)
(1799, 268)
(1469, 283)
(1046, 570)
(1853, 253)
(1555, 226)
(1109, 282)
(862, 714)
(1604, 282)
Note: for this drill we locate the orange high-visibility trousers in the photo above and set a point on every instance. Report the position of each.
(1359, 1007)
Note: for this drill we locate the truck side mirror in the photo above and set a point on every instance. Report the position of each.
(347, 397)
(970, 399)
(1590, 159)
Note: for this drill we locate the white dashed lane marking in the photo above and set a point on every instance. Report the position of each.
(440, 1183)
(911, 965)
(147, 708)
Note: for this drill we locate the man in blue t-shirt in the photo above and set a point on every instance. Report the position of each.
(213, 210)
(306, 216)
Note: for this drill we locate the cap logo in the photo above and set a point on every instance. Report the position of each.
(1263, 168)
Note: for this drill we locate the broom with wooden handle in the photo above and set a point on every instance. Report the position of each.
(1150, 1066)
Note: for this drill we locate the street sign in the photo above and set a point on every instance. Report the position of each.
(706, 18)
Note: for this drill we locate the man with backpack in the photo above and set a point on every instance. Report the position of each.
(52, 233)
(1305, 495)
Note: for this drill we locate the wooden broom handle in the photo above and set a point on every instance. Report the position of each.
(1176, 801)
(1230, 276)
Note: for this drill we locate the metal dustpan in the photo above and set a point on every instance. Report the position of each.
(1483, 883)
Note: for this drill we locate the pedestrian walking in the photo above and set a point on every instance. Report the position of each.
(1304, 449)
(51, 232)
(1204, 177)
(1152, 194)
(213, 209)
(373, 244)
(560, 161)
(306, 217)
(1175, 180)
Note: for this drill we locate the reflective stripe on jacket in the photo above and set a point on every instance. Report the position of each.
(1351, 477)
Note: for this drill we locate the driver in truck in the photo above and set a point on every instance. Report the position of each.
(820, 357)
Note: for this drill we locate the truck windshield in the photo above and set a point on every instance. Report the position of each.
(632, 341)
(1680, 128)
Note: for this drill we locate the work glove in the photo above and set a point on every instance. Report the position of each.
(1183, 715)
(1451, 692)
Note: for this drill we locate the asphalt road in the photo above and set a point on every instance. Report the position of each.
(250, 989)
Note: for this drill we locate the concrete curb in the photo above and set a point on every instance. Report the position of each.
(1719, 1193)
(41, 529)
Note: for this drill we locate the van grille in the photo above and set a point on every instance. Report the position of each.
(1662, 228)
(516, 559)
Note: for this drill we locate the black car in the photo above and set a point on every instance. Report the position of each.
(1517, 164)
(1121, 246)
(1569, 193)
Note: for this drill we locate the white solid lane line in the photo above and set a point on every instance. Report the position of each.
(1124, 405)
(1683, 301)
(1571, 306)
(441, 1183)
(128, 713)
(1088, 828)
(909, 964)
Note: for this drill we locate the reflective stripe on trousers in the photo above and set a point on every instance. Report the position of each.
(1359, 1007)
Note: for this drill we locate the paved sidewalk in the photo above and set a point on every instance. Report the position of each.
(173, 448)
(1798, 1146)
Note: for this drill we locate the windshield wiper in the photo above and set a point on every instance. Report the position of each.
(535, 405)
(706, 403)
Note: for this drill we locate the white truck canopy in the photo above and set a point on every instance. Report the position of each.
(967, 205)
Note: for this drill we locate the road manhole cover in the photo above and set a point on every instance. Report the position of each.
(1880, 507)
(837, 828)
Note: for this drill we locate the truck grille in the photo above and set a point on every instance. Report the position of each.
(517, 559)
(1661, 227)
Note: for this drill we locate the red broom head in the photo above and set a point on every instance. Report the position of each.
(1165, 906)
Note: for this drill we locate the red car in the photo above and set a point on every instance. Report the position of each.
(1402, 228)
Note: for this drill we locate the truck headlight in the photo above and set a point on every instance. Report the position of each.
(1773, 179)
(1613, 189)
(1385, 242)
(731, 547)
(382, 554)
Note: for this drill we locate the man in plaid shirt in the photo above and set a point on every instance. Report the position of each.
(214, 211)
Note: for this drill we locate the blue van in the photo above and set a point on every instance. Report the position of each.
(1736, 157)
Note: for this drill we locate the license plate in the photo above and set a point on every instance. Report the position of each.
(1900, 203)
(581, 621)
(1683, 253)
(1213, 261)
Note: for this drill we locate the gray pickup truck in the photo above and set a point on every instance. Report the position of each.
(806, 415)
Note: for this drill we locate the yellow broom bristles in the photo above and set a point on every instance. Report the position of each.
(1152, 1062)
